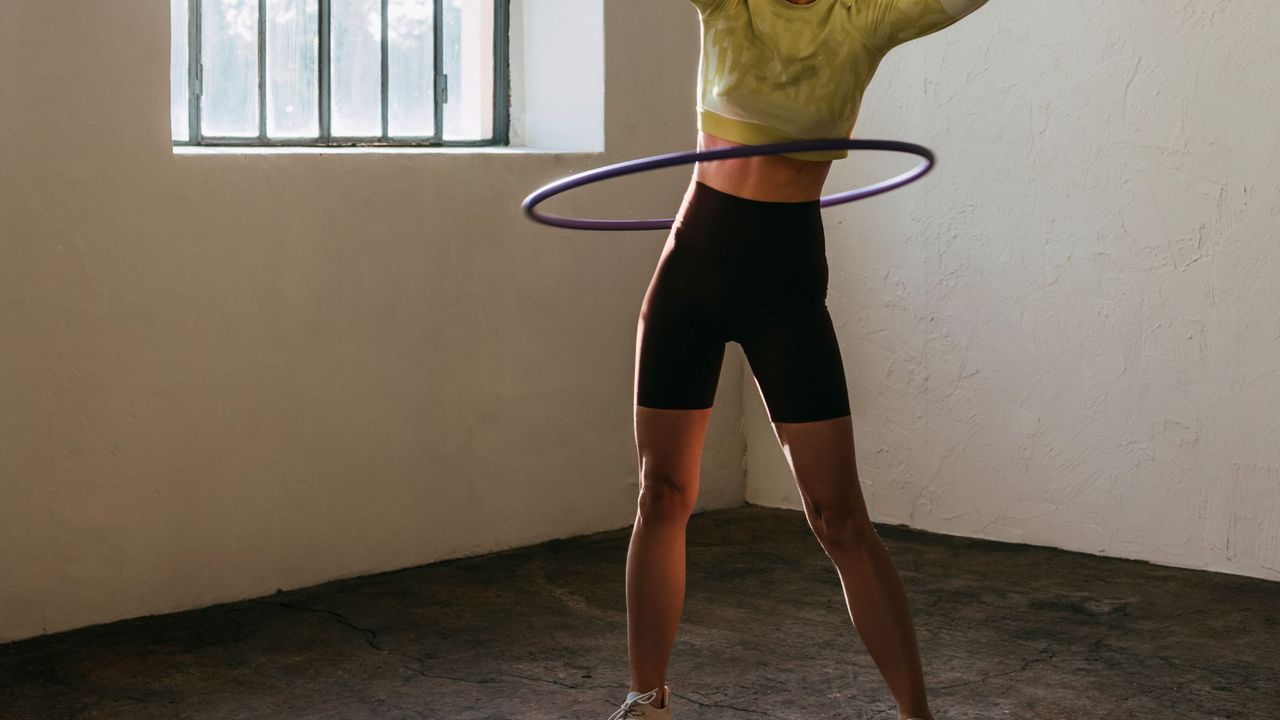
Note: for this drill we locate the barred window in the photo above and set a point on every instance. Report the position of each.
(339, 72)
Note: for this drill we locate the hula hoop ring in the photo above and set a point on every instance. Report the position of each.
(629, 167)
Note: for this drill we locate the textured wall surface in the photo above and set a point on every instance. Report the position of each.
(1069, 334)
(222, 375)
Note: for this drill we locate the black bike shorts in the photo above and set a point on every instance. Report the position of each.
(752, 272)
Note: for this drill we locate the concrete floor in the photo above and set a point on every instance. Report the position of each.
(1007, 631)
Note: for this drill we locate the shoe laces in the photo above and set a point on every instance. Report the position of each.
(629, 708)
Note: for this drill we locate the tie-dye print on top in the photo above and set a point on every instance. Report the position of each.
(774, 71)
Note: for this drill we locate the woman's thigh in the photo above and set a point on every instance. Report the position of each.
(794, 355)
(680, 347)
(681, 331)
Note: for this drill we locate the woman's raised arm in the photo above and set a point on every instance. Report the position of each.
(893, 22)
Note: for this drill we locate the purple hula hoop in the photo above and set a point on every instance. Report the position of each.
(629, 167)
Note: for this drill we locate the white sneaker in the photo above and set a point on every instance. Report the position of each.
(637, 706)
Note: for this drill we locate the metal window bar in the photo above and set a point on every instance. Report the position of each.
(195, 73)
(502, 68)
(501, 84)
(324, 84)
(439, 82)
(262, 70)
(386, 63)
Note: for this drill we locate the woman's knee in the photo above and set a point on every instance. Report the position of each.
(841, 527)
(665, 495)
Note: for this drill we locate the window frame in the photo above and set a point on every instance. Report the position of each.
(325, 138)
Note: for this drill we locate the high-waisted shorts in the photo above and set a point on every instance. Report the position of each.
(752, 272)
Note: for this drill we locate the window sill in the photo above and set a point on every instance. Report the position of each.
(369, 150)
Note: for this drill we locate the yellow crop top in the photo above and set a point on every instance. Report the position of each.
(773, 71)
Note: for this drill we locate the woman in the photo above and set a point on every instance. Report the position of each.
(745, 261)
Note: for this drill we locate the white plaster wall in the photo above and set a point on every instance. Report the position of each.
(562, 98)
(1068, 334)
(225, 374)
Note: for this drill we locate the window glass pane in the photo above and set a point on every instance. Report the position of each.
(356, 78)
(293, 48)
(411, 67)
(468, 61)
(179, 118)
(229, 37)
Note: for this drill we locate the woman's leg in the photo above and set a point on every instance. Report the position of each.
(669, 444)
(821, 456)
(679, 353)
(796, 361)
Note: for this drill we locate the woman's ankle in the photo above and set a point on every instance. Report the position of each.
(658, 693)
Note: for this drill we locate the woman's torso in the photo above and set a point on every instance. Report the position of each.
(773, 178)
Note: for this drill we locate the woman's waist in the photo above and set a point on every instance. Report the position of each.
(712, 218)
(764, 178)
